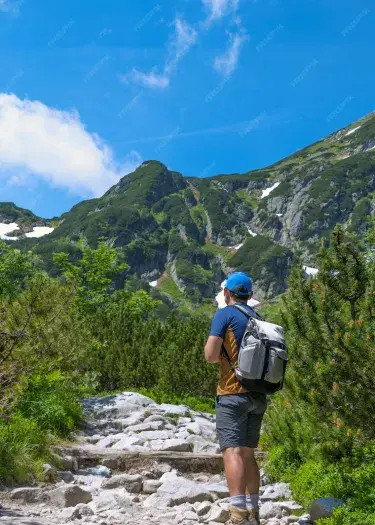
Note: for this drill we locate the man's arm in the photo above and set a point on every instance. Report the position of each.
(212, 349)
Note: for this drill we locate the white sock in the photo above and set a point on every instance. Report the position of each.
(238, 501)
(252, 501)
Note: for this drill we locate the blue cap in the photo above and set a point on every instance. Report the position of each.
(240, 284)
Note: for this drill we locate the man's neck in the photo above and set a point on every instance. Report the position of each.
(232, 302)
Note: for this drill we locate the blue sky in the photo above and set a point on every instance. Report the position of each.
(88, 90)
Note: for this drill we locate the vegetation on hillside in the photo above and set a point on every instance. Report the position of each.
(320, 429)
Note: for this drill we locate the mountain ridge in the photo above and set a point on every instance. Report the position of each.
(192, 231)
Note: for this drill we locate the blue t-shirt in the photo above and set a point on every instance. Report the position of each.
(232, 317)
(230, 324)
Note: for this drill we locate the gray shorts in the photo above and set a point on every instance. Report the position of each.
(239, 419)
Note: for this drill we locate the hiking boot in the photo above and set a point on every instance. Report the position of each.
(239, 517)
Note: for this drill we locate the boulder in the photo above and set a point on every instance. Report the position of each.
(220, 490)
(170, 410)
(127, 443)
(49, 472)
(131, 483)
(217, 514)
(289, 506)
(202, 507)
(155, 434)
(111, 463)
(68, 463)
(269, 510)
(176, 490)
(28, 494)
(111, 499)
(279, 491)
(77, 513)
(150, 486)
(172, 445)
(65, 476)
(324, 507)
(69, 496)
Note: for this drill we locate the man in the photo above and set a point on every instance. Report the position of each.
(239, 413)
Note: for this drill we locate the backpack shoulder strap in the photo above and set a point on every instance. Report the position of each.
(247, 313)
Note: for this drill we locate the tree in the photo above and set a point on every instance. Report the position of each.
(15, 268)
(330, 325)
(93, 276)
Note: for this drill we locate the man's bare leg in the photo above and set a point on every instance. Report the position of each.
(252, 471)
(235, 472)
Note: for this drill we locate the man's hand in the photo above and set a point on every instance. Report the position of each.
(212, 349)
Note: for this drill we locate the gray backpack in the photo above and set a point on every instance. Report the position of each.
(262, 357)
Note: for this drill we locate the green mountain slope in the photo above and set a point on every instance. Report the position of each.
(188, 233)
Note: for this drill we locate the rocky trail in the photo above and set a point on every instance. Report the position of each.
(137, 462)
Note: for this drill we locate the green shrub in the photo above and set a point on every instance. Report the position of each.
(22, 448)
(53, 401)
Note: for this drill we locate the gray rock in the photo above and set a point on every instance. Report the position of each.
(176, 445)
(324, 507)
(49, 472)
(177, 490)
(109, 440)
(202, 445)
(218, 514)
(131, 483)
(155, 434)
(276, 492)
(289, 506)
(65, 476)
(111, 499)
(69, 496)
(28, 494)
(269, 510)
(111, 463)
(68, 463)
(78, 512)
(202, 507)
(150, 486)
(145, 426)
(170, 410)
(127, 443)
(220, 490)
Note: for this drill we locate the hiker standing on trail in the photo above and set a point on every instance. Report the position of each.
(239, 412)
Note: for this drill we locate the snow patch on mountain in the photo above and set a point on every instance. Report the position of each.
(153, 284)
(352, 131)
(40, 231)
(8, 228)
(311, 271)
(239, 246)
(253, 234)
(267, 191)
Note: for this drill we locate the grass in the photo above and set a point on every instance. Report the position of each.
(168, 286)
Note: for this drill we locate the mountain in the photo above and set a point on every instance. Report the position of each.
(17, 223)
(184, 234)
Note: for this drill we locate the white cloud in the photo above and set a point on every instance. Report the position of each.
(217, 9)
(182, 39)
(11, 6)
(151, 80)
(39, 141)
(227, 62)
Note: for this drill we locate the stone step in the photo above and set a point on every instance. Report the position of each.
(130, 461)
